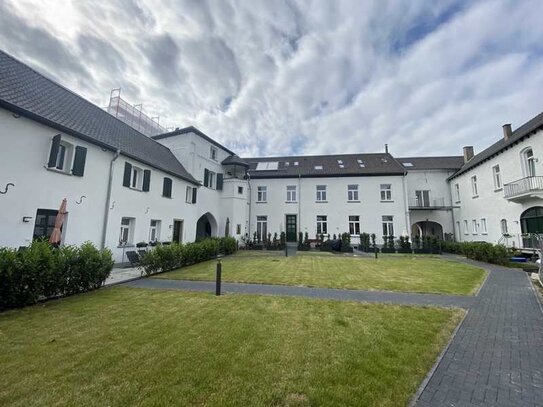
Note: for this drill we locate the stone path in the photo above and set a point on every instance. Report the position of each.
(496, 357)
(122, 274)
(323, 293)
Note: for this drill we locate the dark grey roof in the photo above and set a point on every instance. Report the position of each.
(432, 163)
(374, 164)
(192, 129)
(526, 130)
(235, 160)
(27, 92)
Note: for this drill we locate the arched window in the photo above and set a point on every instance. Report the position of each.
(528, 162)
(503, 224)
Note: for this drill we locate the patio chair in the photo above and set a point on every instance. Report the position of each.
(133, 258)
(142, 253)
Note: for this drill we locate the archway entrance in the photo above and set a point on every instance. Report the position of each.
(531, 220)
(206, 226)
(427, 228)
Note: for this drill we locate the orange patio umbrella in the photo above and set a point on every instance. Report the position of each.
(56, 235)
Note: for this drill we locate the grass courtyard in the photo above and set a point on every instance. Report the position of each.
(422, 274)
(123, 346)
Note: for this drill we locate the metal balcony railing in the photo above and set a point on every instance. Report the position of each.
(522, 186)
(416, 203)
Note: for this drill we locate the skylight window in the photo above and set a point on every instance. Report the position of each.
(318, 167)
(361, 165)
(295, 163)
(340, 162)
(271, 165)
(408, 164)
(341, 166)
(287, 163)
(359, 161)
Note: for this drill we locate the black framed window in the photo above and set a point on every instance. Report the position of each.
(45, 223)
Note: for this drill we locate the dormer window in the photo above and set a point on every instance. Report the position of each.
(270, 165)
(213, 153)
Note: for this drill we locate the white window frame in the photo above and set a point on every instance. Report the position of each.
(213, 153)
(322, 224)
(422, 197)
(321, 193)
(388, 225)
(458, 228)
(483, 226)
(503, 227)
(188, 194)
(354, 225)
(474, 227)
(474, 190)
(497, 177)
(136, 178)
(291, 193)
(528, 162)
(466, 227)
(457, 192)
(154, 230)
(352, 193)
(126, 232)
(386, 192)
(262, 227)
(262, 194)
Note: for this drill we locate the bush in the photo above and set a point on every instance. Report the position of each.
(365, 242)
(42, 271)
(176, 255)
(481, 251)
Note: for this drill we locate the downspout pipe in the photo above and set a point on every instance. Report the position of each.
(250, 204)
(108, 198)
(406, 207)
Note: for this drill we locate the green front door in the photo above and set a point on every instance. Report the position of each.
(291, 228)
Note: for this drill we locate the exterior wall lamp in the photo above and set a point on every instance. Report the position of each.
(27, 219)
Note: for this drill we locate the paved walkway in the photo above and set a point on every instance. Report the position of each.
(121, 274)
(496, 357)
(323, 293)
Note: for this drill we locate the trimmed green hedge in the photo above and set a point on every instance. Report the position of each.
(481, 251)
(170, 257)
(43, 271)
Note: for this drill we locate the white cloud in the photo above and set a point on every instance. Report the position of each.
(284, 77)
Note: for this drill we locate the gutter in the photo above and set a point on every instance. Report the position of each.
(108, 198)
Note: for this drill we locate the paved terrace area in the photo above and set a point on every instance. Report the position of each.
(495, 357)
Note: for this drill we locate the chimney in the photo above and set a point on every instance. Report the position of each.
(507, 131)
(386, 148)
(468, 153)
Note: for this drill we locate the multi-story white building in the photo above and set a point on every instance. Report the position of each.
(123, 187)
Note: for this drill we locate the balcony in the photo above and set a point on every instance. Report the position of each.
(525, 188)
(427, 204)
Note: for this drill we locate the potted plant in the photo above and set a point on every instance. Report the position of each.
(405, 245)
(388, 244)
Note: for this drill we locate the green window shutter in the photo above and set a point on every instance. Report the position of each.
(206, 177)
(167, 187)
(54, 151)
(79, 161)
(127, 174)
(194, 191)
(219, 182)
(146, 180)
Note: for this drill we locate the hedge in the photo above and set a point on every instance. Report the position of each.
(41, 271)
(481, 251)
(166, 258)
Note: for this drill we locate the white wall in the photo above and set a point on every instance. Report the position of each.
(490, 203)
(337, 209)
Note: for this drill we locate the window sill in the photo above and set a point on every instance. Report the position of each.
(168, 197)
(126, 245)
(52, 169)
(261, 202)
(353, 201)
(321, 201)
(387, 201)
(457, 202)
(135, 189)
(475, 197)
(498, 189)
(291, 202)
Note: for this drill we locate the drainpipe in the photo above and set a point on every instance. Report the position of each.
(406, 207)
(108, 198)
(249, 203)
(299, 205)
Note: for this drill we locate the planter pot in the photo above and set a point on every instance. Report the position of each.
(346, 249)
(387, 250)
(257, 247)
(405, 251)
(421, 251)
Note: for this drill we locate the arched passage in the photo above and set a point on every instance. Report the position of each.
(206, 226)
(427, 228)
(531, 220)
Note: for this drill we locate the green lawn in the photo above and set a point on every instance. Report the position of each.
(122, 346)
(390, 273)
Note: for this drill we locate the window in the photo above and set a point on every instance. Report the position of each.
(238, 229)
(503, 227)
(262, 227)
(167, 187)
(407, 164)
(136, 178)
(474, 227)
(388, 225)
(262, 194)
(386, 192)
(422, 198)
(190, 194)
(497, 177)
(126, 235)
(45, 223)
(154, 230)
(352, 192)
(213, 153)
(354, 225)
(322, 225)
(240, 190)
(271, 165)
(528, 162)
(318, 167)
(291, 193)
(483, 226)
(457, 192)
(466, 228)
(321, 193)
(474, 186)
(209, 179)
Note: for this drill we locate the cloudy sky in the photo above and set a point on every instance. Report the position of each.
(270, 77)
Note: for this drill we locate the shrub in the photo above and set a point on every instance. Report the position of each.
(365, 241)
(42, 271)
(481, 251)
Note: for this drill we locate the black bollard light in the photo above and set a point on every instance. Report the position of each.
(375, 249)
(218, 278)
(286, 250)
